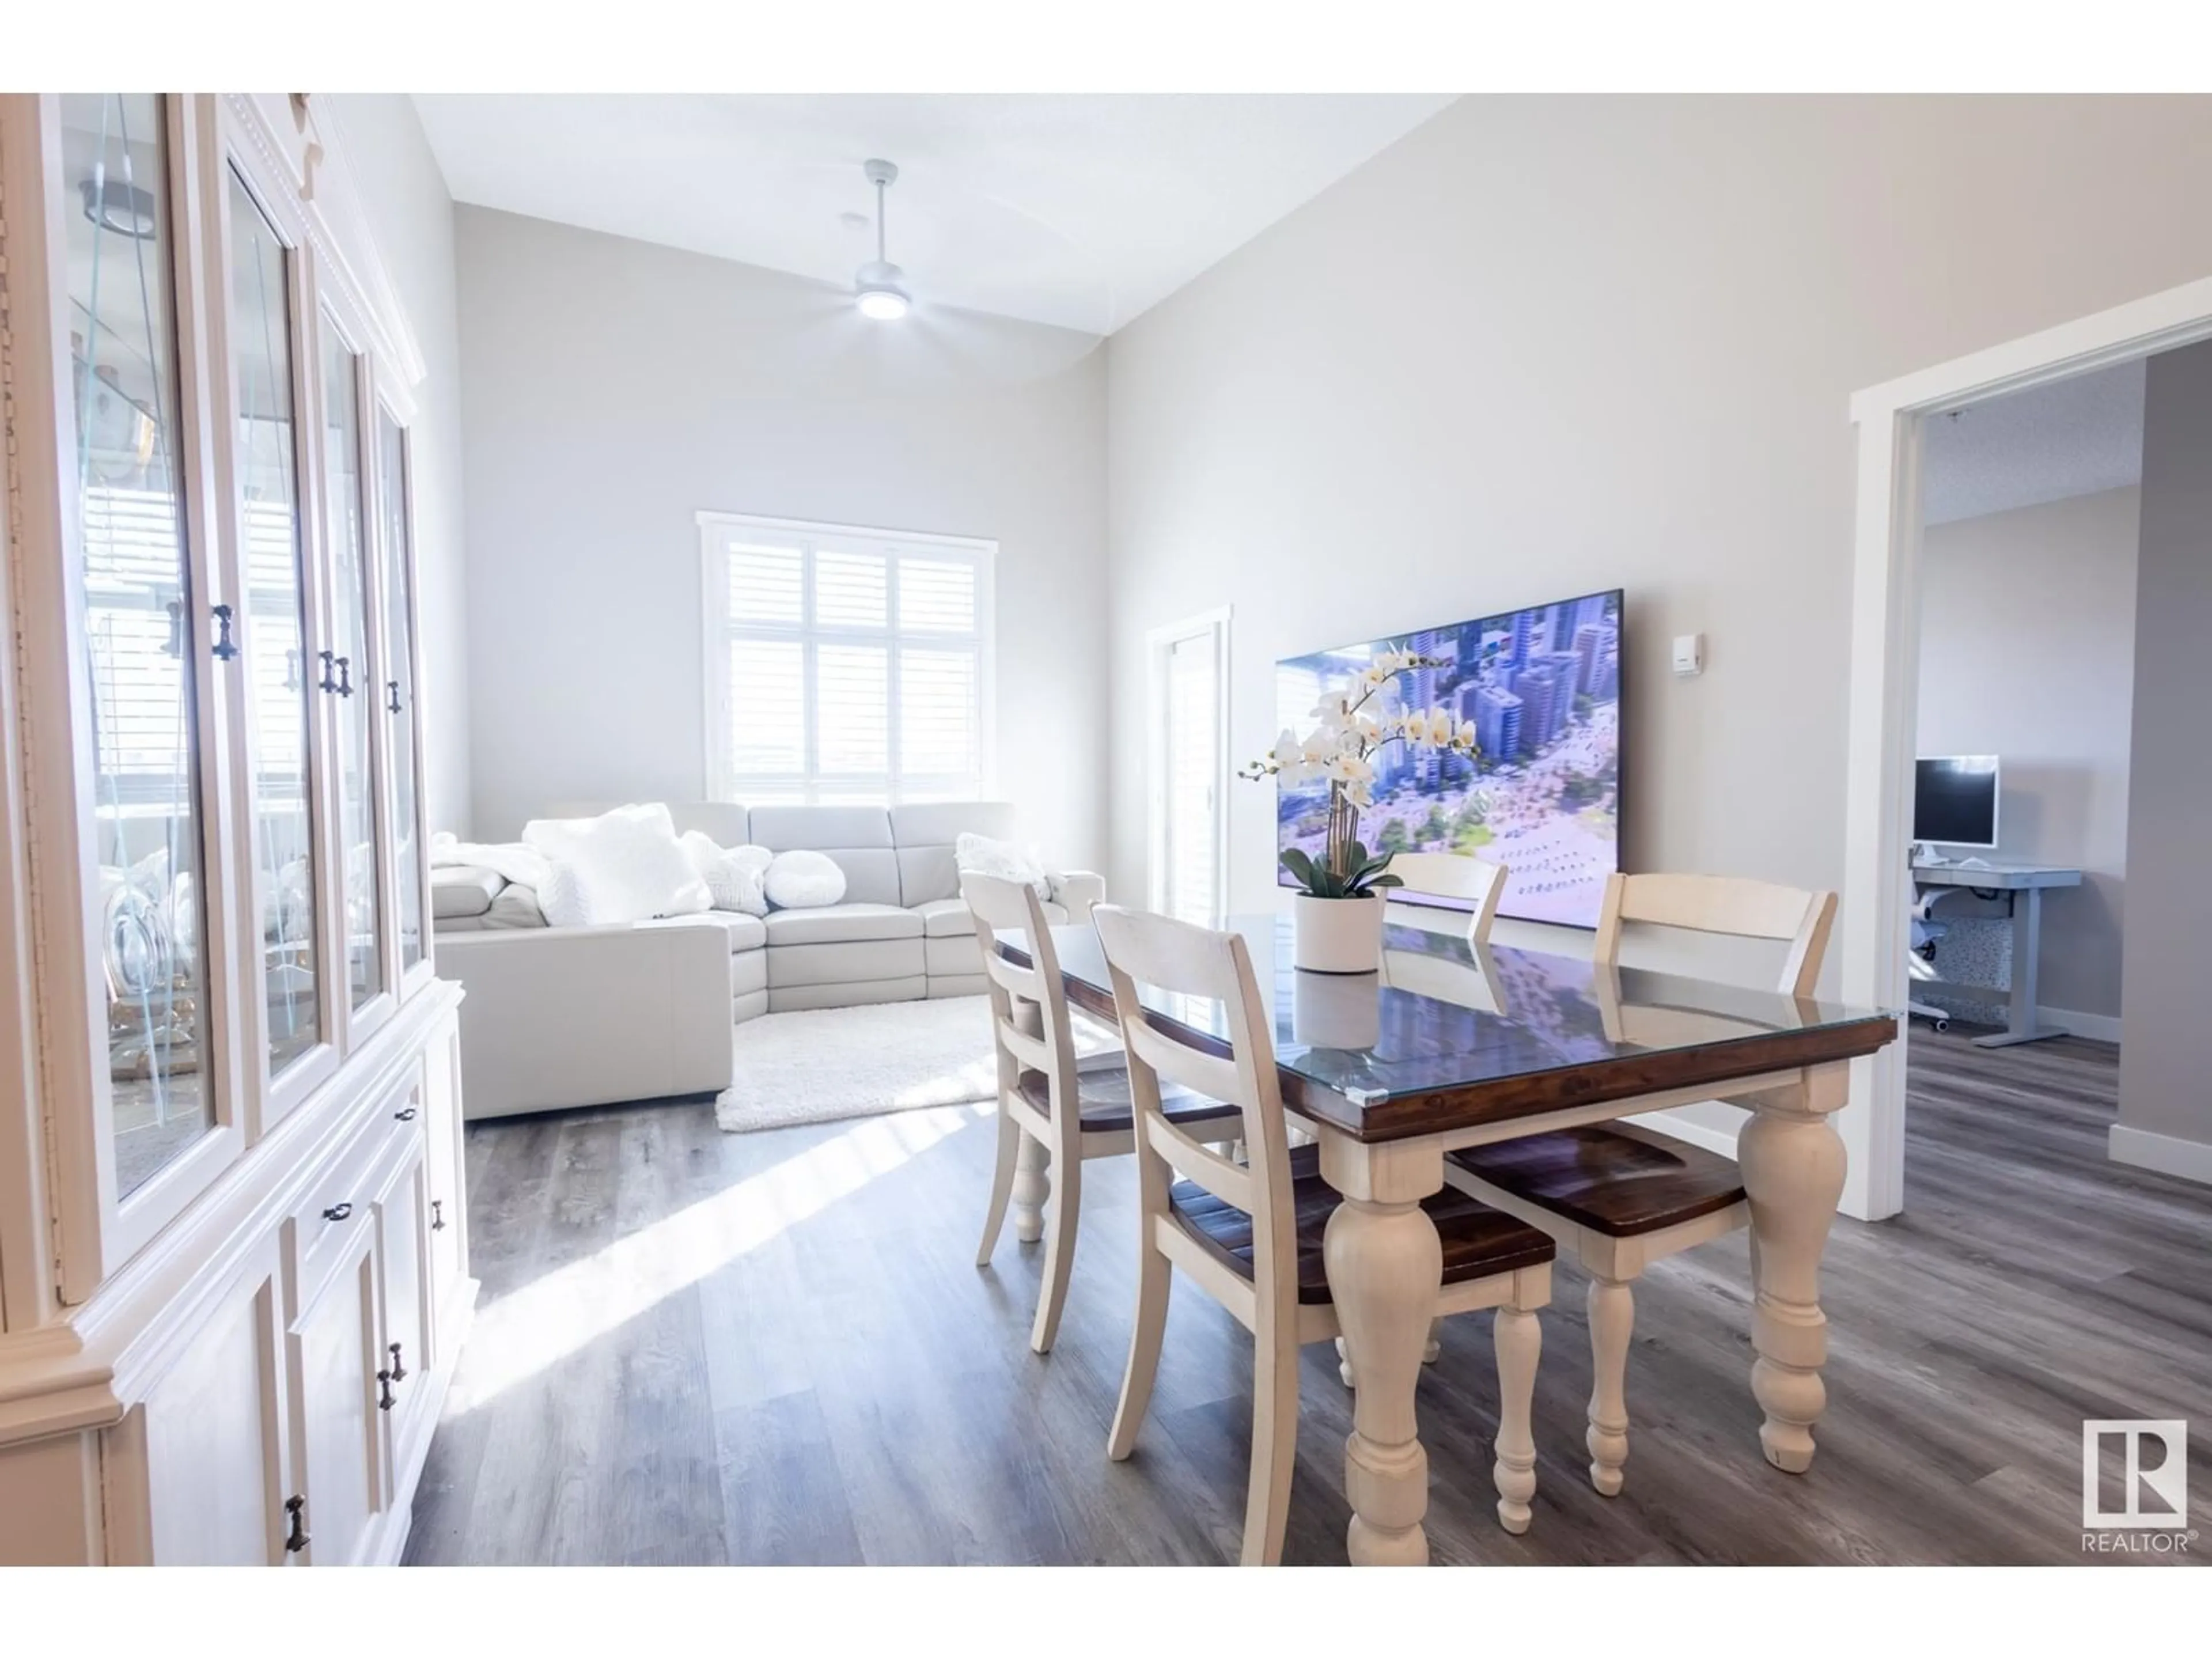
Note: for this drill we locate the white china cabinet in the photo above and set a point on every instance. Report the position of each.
(234, 1270)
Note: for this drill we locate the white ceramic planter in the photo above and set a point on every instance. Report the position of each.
(1337, 935)
(1336, 1011)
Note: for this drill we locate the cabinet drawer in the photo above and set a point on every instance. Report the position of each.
(340, 1200)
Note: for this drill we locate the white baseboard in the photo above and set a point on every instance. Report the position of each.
(2168, 1154)
(1673, 1123)
(2104, 1028)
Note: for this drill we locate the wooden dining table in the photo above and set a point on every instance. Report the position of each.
(1451, 1044)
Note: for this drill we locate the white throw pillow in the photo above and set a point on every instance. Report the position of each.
(734, 875)
(1009, 860)
(804, 881)
(628, 863)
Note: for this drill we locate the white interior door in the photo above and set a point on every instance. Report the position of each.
(1191, 681)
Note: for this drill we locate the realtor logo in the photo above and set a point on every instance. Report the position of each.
(2152, 1466)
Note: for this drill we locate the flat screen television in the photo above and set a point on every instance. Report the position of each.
(1542, 686)
(1955, 800)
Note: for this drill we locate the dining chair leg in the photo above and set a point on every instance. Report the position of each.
(1612, 1320)
(1155, 1277)
(1002, 1184)
(1059, 1250)
(1519, 1339)
(1274, 1445)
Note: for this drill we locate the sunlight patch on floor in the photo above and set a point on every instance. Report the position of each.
(552, 1317)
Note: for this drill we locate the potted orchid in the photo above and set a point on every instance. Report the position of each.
(1339, 906)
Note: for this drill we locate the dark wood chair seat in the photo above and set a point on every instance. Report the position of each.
(1612, 1183)
(1478, 1240)
(1106, 1106)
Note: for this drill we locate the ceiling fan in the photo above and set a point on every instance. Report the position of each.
(879, 286)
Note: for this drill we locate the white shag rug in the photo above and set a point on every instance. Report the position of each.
(829, 1063)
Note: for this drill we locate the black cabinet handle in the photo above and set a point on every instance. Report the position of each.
(384, 1402)
(329, 681)
(398, 1367)
(296, 1508)
(405, 1115)
(337, 1212)
(392, 690)
(345, 676)
(225, 647)
(437, 1215)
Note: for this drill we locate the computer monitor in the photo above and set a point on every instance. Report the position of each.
(1955, 800)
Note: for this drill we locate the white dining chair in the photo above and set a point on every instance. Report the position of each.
(1250, 1235)
(1620, 1196)
(1477, 882)
(1073, 1112)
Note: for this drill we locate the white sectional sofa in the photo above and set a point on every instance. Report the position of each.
(560, 1017)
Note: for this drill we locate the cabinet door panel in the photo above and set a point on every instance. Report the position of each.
(144, 625)
(394, 486)
(282, 675)
(213, 1486)
(402, 1241)
(352, 673)
(337, 1453)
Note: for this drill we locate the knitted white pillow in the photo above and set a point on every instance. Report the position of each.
(734, 875)
(627, 862)
(803, 880)
(1009, 860)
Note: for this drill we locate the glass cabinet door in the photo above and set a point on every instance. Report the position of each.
(281, 678)
(343, 477)
(142, 624)
(400, 684)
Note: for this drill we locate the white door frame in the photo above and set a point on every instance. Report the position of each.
(1158, 643)
(1885, 674)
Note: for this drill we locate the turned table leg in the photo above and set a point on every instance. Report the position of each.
(1793, 1171)
(1385, 1265)
(1031, 1189)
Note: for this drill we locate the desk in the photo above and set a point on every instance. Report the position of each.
(2023, 886)
(1392, 1070)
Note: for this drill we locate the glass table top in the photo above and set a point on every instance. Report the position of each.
(1441, 1014)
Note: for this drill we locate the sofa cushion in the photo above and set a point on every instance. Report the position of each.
(857, 838)
(842, 923)
(952, 918)
(924, 835)
(746, 933)
(627, 864)
(463, 889)
(856, 963)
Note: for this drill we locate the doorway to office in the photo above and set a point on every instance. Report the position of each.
(1957, 477)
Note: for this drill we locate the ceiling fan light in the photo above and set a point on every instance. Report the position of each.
(880, 291)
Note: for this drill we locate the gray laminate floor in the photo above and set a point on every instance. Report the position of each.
(775, 1348)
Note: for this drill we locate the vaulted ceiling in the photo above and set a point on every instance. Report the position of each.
(1078, 210)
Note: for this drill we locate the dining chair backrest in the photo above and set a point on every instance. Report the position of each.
(1732, 905)
(1186, 960)
(1001, 906)
(1476, 882)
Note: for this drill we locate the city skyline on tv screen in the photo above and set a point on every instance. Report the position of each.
(1542, 686)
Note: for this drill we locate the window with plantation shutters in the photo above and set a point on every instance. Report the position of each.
(845, 664)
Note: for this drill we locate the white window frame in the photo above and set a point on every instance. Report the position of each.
(716, 530)
(1159, 643)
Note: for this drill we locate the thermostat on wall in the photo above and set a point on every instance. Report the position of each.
(1689, 653)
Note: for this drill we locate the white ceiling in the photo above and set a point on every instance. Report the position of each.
(2072, 437)
(1078, 210)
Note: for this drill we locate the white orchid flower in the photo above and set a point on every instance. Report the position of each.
(1286, 750)
(1440, 727)
(1466, 735)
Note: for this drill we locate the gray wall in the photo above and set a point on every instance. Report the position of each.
(615, 389)
(2027, 624)
(2166, 1062)
(1545, 345)
(411, 216)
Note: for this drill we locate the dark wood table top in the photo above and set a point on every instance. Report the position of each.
(1448, 1036)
